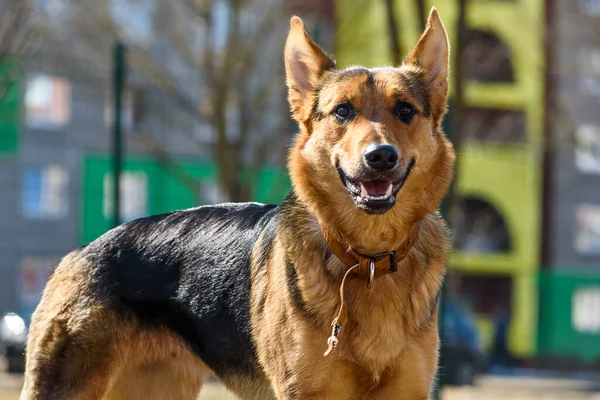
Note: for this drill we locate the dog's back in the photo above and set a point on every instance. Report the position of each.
(137, 287)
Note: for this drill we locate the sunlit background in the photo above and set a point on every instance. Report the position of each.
(203, 119)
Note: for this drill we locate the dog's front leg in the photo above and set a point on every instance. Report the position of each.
(402, 389)
(397, 392)
(323, 394)
(408, 380)
(320, 395)
(315, 378)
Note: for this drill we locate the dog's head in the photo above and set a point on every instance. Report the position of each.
(370, 153)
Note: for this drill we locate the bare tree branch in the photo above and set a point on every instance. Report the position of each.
(15, 35)
(458, 110)
(218, 68)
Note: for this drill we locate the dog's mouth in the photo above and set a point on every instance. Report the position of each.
(375, 196)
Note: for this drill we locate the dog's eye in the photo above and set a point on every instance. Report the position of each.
(404, 111)
(343, 111)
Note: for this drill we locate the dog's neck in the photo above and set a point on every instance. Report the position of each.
(384, 262)
(368, 236)
(366, 267)
(306, 239)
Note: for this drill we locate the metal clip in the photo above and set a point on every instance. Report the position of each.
(371, 273)
(333, 340)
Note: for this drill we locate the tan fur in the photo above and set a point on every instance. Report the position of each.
(389, 345)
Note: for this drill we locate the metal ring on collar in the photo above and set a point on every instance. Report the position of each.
(371, 273)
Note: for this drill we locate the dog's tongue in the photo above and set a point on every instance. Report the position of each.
(376, 188)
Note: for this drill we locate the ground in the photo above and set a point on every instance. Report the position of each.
(488, 388)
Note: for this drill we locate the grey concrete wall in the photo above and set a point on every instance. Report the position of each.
(577, 104)
(9, 220)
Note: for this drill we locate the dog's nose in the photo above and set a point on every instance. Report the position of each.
(381, 157)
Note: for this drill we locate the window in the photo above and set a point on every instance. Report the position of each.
(35, 273)
(483, 228)
(45, 192)
(587, 149)
(506, 126)
(585, 310)
(48, 101)
(487, 58)
(590, 7)
(587, 229)
(134, 195)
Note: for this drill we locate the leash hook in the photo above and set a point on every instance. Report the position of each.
(333, 340)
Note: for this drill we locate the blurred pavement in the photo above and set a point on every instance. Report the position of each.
(488, 388)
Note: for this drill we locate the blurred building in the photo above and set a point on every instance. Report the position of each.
(570, 280)
(56, 121)
(528, 173)
(527, 239)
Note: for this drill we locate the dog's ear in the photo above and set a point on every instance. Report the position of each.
(305, 63)
(432, 55)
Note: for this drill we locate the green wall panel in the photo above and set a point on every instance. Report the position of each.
(164, 191)
(561, 293)
(10, 108)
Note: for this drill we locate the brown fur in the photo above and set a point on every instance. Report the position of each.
(79, 347)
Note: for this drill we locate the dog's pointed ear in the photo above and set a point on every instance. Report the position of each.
(305, 64)
(432, 54)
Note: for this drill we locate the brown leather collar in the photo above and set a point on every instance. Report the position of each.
(384, 263)
(363, 267)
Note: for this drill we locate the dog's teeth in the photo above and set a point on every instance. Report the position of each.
(388, 193)
(363, 192)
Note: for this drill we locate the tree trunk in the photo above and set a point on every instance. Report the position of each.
(458, 113)
(421, 13)
(393, 28)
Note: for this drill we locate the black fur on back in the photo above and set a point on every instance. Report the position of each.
(188, 271)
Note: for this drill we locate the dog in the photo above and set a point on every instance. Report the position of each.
(331, 295)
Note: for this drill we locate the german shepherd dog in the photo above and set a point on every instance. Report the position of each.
(331, 295)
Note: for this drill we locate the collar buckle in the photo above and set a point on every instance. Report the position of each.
(393, 259)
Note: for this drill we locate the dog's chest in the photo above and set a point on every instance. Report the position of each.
(375, 348)
(375, 335)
